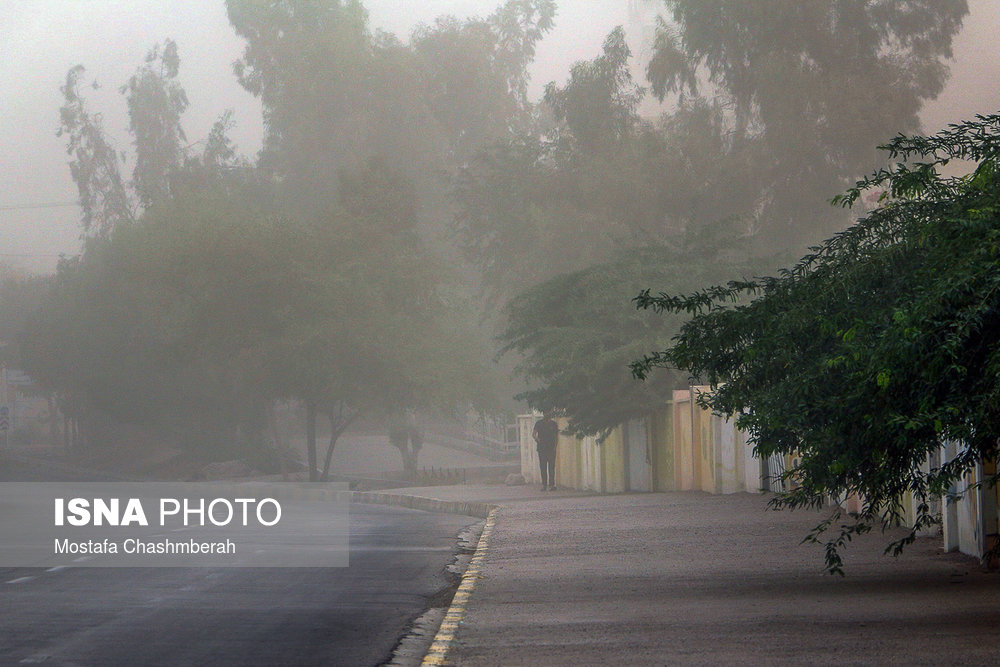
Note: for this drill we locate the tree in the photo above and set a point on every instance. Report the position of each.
(819, 82)
(528, 208)
(155, 101)
(20, 295)
(104, 196)
(536, 207)
(876, 349)
(157, 325)
(568, 224)
(376, 335)
(155, 105)
(475, 72)
(577, 333)
(360, 131)
(304, 277)
(335, 95)
(308, 62)
(599, 102)
(407, 436)
(518, 26)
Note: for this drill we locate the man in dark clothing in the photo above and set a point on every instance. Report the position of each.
(546, 435)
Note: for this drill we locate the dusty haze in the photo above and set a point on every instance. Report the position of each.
(40, 41)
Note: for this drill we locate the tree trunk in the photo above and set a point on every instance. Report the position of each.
(414, 458)
(53, 423)
(334, 434)
(337, 426)
(311, 439)
(279, 445)
(409, 460)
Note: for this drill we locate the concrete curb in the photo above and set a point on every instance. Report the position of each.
(437, 653)
(479, 510)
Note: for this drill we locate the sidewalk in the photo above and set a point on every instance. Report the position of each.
(695, 579)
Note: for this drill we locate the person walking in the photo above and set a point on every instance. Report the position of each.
(546, 436)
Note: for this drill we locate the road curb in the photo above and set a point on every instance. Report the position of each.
(437, 654)
(479, 510)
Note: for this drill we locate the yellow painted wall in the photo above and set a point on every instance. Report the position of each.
(613, 463)
(684, 465)
(704, 444)
(661, 431)
(529, 455)
(567, 459)
(689, 449)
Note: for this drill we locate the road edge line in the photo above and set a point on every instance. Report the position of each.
(445, 637)
(437, 654)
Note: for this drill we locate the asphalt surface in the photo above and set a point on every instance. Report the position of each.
(564, 578)
(571, 578)
(235, 616)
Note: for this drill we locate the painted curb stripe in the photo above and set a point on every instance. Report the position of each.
(445, 637)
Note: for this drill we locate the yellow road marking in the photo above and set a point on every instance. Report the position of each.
(445, 637)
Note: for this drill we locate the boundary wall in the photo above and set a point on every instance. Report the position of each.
(678, 447)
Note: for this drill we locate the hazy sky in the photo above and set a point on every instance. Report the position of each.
(41, 39)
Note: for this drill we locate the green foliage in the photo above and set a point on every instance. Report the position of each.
(194, 319)
(155, 105)
(466, 93)
(569, 223)
(104, 195)
(156, 325)
(577, 334)
(534, 208)
(306, 277)
(20, 295)
(876, 348)
(518, 26)
(155, 101)
(335, 95)
(818, 82)
(475, 73)
(599, 101)
(337, 100)
(313, 65)
(795, 96)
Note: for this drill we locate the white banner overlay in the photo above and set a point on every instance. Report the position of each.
(173, 524)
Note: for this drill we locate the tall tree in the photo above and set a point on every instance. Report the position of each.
(466, 92)
(820, 82)
(20, 294)
(156, 324)
(344, 108)
(577, 333)
(875, 350)
(95, 166)
(600, 99)
(518, 26)
(307, 61)
(602, 179)
(335, 95)
(156, 102)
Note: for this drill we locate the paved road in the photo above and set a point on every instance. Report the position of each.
(235, 616)
(694, 579)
